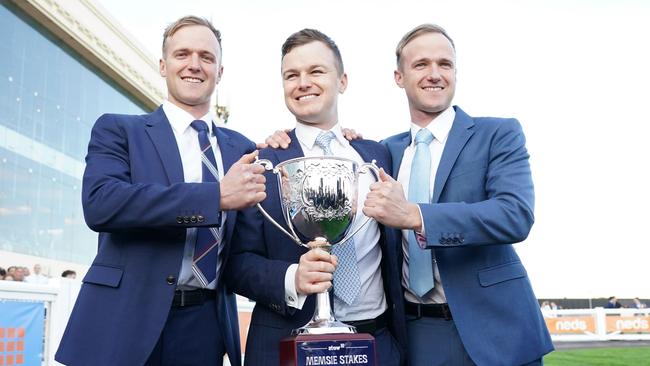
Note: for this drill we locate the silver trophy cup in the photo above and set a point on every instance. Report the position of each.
(319, 203)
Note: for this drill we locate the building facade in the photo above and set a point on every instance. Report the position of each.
(63, 64)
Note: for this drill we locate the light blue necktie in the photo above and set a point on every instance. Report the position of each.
(347, 282)
(208, 240)
(420, 260)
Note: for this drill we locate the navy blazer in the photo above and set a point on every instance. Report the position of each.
(134, 195)
(483, 202)
(261, 255)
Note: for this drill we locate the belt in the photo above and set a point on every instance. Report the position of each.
(428, 310)
(184, 298)
(370, 325)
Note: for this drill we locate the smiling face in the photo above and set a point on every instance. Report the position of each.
(427, 73)
(191, 65)
(311, 83)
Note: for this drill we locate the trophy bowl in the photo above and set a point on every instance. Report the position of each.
(319, 203)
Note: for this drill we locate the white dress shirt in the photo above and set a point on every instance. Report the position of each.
(440, 128)
(371, 300)
(188, 146)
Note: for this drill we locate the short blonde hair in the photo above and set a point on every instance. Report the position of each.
(184, 22)
(416, 32)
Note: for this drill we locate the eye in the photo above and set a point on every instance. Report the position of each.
(208, 58)
(290, 76)
(420, 65)
(317, 71)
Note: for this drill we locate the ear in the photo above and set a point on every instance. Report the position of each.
(343, 83)
(398, 78)
(162, 68)
(219, 73)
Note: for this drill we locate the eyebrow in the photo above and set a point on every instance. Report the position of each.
(189, 50)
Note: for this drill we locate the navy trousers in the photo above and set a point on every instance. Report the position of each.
(191, 337)
(435, 342)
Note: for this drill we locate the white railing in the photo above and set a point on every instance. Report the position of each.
(598, 324)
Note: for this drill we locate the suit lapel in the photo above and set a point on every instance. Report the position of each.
(458, 136)
(161, 134)
(229, 156)
(293, 151)
(396, 149)
(366, 154)
(229, 152)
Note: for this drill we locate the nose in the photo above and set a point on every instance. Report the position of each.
(304, 82)
(434, 73)
(195, 63)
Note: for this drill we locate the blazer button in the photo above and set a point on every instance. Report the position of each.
(171, 280)
(186, 219)
(200, 218)
(193, 219)
(179, 219)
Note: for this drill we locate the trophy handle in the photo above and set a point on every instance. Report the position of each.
(268, 165)
(365, 168)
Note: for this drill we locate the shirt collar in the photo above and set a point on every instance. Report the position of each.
(307, 134)
(439, 126)
(180, 119)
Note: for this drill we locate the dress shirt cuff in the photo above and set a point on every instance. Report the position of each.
(291, 296)
(421, 236)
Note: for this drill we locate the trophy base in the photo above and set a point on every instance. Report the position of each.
(324, 327)
(328, 349)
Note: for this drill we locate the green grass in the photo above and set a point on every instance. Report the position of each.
(630, 356)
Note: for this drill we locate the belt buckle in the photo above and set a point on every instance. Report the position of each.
(446, 312)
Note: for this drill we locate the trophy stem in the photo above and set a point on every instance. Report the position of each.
(323, 321)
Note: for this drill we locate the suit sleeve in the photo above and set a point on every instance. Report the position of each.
(505, 216)
(112, 201)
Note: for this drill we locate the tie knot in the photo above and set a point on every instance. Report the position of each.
(323, 141)
(423, 136)
(199, 125)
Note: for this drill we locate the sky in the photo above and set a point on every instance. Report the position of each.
(574, 73)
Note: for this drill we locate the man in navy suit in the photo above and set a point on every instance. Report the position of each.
(468, 297)
(155, 190)
(281, 276)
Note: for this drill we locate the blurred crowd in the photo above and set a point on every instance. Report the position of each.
(613, 303)
(23, 274)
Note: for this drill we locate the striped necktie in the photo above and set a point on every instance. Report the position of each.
(347, 282)
(420, 260)
(207, 248)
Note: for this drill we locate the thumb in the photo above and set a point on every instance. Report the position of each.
(248, 158)
(384, 177)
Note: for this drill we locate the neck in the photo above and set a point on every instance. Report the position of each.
(197, 111)
(325, 126)
(423, 118)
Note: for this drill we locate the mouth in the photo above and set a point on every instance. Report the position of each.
(433, 88)
(192, 80)
(306, 97)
